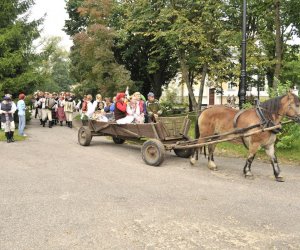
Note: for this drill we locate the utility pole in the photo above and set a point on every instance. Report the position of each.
(242, 87)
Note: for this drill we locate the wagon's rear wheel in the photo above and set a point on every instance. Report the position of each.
(153, 152)
(118, 140)
(183, 153)
(84, 136)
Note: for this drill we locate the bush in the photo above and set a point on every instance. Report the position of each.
(290, 133)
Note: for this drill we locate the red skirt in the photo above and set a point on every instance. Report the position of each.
(61, 114)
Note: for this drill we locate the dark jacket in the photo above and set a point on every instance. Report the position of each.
(6, 106)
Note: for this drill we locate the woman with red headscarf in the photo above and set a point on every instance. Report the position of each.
(120, 107)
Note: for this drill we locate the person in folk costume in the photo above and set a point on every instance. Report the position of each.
(7, 110)
(47, 104)
(99, 104)
(54, 109)
(21, 106)
(60, 109)
(38, 105)
(142, 105)
(134, 113)
(90, 107)
(69, 109)
(153, 108)
(120, 109)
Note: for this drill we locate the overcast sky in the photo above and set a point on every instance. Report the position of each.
(54, 20)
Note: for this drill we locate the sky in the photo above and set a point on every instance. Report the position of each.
(54, 20)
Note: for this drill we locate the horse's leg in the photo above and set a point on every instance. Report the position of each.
(252, 152)
(194, 156)
(271, 153)
(211, 163)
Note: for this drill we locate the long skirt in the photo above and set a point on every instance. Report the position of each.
(61, 114)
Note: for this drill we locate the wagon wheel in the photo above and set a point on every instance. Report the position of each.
(184, 153)
(118, 140)
(84, 136)
(153, 152)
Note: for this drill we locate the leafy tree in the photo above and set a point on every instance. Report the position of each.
(152, 62)
(76, 22)
(54, 67)
(93, 63)
(16, 52)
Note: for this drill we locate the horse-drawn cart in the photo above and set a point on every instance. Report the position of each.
(156, 137)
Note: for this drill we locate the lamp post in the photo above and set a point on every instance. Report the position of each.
(242, 87)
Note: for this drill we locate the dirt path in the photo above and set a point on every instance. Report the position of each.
(55, 194)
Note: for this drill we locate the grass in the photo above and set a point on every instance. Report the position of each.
(16, 136)
(234, 149)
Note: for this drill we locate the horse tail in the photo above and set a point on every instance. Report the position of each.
(197, 131)
(197, 136)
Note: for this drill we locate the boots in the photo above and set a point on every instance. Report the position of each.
(7, 135)
(44, 123)
(70, 126)
(41, 122)
(50, 124)
(12, 136)
(68, 123)
(61, 123)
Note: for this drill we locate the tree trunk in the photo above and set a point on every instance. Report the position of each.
(185, 77)
(201, 89)
(278, 41)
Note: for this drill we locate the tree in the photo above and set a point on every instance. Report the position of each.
(54, 67)
(152, 62)
(93, 63)
(16, 52)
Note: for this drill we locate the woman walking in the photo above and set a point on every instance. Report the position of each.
(21, 113)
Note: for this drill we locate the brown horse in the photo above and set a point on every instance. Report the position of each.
(221, 119)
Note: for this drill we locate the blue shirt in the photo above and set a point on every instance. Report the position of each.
(21, 107)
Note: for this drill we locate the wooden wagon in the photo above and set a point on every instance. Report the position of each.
(156, 137)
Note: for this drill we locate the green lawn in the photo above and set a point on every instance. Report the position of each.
(16, 136)
(238, 150)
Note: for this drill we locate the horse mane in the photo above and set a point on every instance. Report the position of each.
(272, 105)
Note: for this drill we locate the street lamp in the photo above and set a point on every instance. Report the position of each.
(242, 87)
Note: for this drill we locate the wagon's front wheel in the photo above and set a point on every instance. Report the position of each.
(153, 152)
(84, 136)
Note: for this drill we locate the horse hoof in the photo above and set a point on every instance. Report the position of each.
(280, 179)
(249, 176)
(192, 161)
(213, 168)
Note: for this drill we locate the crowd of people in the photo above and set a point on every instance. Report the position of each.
(59, 108)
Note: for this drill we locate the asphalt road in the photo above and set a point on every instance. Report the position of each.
(56, 194)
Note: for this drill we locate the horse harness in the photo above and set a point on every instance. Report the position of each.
(264, 121)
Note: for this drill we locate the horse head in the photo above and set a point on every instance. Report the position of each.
(293, 107)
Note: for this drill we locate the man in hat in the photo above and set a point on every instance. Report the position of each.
(153, 107)
(69, 107)
(47, 104)
(7, 110)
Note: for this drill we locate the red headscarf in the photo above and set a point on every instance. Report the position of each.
(120, 95)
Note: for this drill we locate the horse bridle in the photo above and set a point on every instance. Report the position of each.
(293, 118)
(267, 122)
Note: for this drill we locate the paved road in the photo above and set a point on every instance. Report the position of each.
(55, 194)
